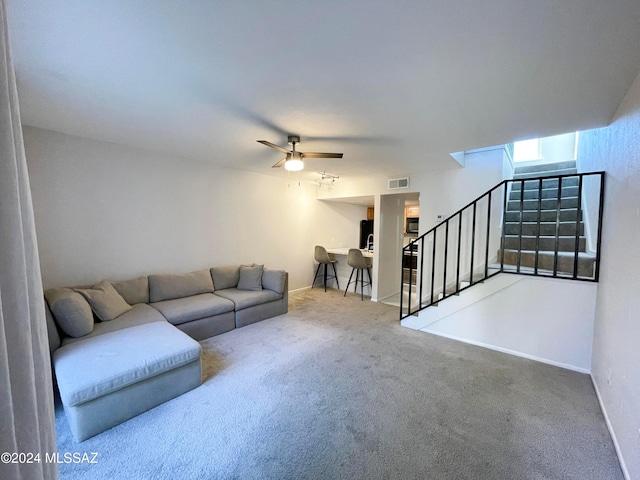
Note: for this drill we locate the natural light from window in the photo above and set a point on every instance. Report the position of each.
(526, 150)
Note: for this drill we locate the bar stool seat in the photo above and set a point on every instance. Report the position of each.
(358, 263)
(324, 258)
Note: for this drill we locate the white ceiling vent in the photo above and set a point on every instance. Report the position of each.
(397, 183)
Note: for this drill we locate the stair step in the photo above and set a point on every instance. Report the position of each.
(546, 183)
(567, 171)
(566, 215)
(586, 262)
(545, 167)
(547, 204)
(565, 243)
(546, 228)
(551, 193)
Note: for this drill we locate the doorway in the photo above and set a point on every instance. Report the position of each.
(394, 233)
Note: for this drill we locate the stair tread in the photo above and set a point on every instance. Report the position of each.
(542, 271)
(546, 166)
(551, 252)
(545, 173)
(543, 236)
(542, 222)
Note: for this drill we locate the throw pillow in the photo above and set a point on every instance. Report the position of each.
(133, 291)
(105, 301)
(250, 277)
(71, 311)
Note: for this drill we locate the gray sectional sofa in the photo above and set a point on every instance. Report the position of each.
(122, 348)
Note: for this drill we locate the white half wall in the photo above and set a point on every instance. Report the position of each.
(616, 346)
(104, 210)
(544, 319)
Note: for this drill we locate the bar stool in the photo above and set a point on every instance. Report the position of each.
(358, 262)
(324, 258)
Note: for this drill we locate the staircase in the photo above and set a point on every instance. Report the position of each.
(551, 236)
(533, 224)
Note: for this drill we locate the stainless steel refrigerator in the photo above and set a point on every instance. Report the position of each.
(366, 229)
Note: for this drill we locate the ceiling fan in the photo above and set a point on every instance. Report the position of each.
(294, 159)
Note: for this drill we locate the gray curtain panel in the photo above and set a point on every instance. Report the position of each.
(26, 393)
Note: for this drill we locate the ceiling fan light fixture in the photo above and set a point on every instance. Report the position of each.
(294, 165)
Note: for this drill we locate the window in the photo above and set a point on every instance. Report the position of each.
(526, 150)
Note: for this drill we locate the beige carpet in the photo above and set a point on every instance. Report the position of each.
(337, 388)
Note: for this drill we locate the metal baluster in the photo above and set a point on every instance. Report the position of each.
(486, 254)
(433, 264)
(519, 260)
(578, 215)
(421, 269)
(446, 251)
(473, 241)
(504, 224)
(557, 246)
(539, 216)
(600, 212)
(458, 259)
(402, 281)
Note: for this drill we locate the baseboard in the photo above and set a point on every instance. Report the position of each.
(616, 445)
(300, 289)
(511, 352)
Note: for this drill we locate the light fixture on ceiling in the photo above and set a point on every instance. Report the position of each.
(326, 180)
(293, 162)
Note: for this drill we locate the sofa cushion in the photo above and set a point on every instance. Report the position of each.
(119, 359)
(178, 285)
(181, 310)
(225, 277)
(274, 280)
(248, 298)
(105, 301)
(133, 291)
(140, 314)
(52, 330)
(250, 277)
(71, 311)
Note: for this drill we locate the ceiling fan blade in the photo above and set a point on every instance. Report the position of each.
(320, 155)
(273, 145)
(280, 163)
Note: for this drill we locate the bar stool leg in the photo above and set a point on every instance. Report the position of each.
(325, 277)
(316, 275)
(336, 274)
(349, 282)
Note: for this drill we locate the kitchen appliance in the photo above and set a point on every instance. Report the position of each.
(412, 225)
(366, 229)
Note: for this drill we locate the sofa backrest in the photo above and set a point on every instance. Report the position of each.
(177, 285)
(52, 330)
(274, 280)
(225, 277)
(133, 291)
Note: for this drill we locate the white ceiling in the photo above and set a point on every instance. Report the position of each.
(395, 85)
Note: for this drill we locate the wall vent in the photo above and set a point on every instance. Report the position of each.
(397, 183)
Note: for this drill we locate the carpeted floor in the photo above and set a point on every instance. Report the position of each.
(337, 388)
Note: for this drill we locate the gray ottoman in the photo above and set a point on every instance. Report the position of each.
(131, 371)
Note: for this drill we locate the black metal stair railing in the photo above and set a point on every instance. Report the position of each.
(531, 226)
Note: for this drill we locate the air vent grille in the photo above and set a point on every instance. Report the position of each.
(398, 183)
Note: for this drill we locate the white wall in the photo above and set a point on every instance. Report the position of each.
(616, 352)
(108, 211)
(543, 319)
(447, 191)
(389, 243)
